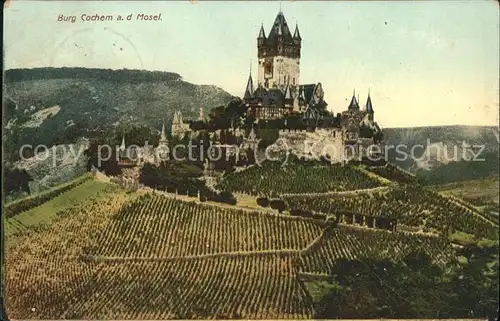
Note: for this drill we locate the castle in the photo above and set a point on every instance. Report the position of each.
(279, 97)
(279, 93)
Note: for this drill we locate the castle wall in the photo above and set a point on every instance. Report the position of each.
(312, 145)
(284, 70)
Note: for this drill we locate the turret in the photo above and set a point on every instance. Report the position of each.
(369, 107)
(249, 90)
(261, 39)
(163, 137)
(354, 102)
(296, 36)
(122, 146)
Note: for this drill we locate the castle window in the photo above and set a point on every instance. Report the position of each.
(293, 81)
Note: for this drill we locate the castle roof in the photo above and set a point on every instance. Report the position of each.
(306, 92)
(369, 106)
(354, 103)
(249, 89)
(163, 137)
(288, 92)
(260, 92)
(296, 34)
(280, 30)
(262, 34)
(274, 96)
(122, 146)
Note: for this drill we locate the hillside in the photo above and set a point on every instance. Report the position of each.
(54, 106)
(435, 161)
(97, 251)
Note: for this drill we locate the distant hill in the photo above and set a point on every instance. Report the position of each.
(434, 165)
(57, 105)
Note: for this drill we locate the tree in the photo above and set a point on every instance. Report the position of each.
(16, 180)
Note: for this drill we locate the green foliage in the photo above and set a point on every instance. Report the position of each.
(450, 136)
(365, 131)
(462, 170)
(172, 174)
(123, 75)
(233, 114)
(15, 180)
(418, 289)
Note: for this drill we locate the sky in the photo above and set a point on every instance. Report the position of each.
(425, 63)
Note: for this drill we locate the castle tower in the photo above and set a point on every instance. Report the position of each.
(178, 126)
(279, 55)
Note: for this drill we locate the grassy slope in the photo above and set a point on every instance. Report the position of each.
(479, 189)
(47, 211)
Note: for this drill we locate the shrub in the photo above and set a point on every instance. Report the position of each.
(263, 201)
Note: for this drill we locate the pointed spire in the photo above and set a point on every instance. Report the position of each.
(122, 146)
(369, 106)
(354, 102)
(296, 34)
(163, 137)
(262, 34)
(175, 120)
(288, 92)
(279, 30)
(249, 90)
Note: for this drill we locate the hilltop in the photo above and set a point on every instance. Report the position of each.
(54, 106)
